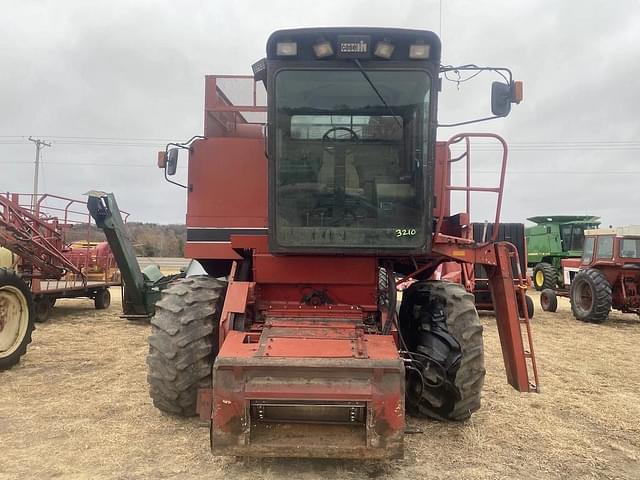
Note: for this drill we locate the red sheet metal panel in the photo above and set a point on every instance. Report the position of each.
(310, 347)
(219, 169)
(235, 299)
(207, 250)
(321, 270)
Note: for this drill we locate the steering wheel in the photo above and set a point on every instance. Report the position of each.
(353, 135)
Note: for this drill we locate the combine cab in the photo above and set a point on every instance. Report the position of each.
(550, 241)
(306, 213)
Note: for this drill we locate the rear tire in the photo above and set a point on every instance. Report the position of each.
(549, 300)
(463, 323)
(184, 343)
(102, 300)
(544, 276)
(16, 318)
(590, 296)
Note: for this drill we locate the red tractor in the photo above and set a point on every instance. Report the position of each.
(607, 276)
(295, 343)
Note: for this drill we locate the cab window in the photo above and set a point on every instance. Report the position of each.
(630, 248)
(587, 252)
(605, 248)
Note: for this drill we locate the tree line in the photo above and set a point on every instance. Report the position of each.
(149, 239)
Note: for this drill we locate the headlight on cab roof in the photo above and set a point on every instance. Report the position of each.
(323, 49)
(384, 49)
(286, 49)
(419, 51)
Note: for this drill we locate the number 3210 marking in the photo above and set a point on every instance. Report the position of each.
(405, 232)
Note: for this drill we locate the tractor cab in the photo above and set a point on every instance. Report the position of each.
(606, 277)
(612, 246)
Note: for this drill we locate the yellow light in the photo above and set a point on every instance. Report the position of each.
(384, 49)
(286, 49)
(419, 51)
(323, 49)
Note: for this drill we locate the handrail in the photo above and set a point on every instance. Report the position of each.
(446, 187)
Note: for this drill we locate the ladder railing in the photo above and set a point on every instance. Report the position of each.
(447, 186)
(35, 241)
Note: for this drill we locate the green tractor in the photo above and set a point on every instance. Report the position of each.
(552, 239)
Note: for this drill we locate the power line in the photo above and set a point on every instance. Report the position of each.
(480, 146)
(162, 139)
(88, 164)
(156, 139)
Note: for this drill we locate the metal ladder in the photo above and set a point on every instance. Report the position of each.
(527, 337)
(514, 328)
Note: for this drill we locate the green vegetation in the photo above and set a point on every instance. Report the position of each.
(149, 239)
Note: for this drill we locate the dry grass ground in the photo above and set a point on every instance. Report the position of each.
(77, 407)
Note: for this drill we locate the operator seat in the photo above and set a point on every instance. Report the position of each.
(326, 173)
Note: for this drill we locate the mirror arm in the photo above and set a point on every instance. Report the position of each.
(171, 181)
(471, 67)
(186, 146)
(477, 120)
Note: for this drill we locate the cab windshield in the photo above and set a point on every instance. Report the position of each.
(349, 160)
(630, 248)
(573, 236)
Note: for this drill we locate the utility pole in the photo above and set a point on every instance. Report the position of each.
(40, 144)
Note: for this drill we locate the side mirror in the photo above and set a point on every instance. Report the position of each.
(503, 95)
(500, 99)
(172, 161)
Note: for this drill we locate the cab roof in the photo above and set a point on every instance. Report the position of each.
(624, 231)
(574, 219)
(400, 37)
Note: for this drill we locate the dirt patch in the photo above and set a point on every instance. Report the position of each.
(77, 407)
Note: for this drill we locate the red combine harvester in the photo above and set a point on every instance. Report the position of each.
(44, 267)
(303, 350)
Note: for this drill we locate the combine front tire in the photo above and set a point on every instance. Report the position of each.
(16, 318)
(544, 276)
(590, 296)
(184, 343)
(459, 400)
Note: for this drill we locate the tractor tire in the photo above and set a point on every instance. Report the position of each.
(549, 300)
(42, 307)
(544, 276)
(463, 323)
(184, 343)
(102, 300)
(16, 318)
(590, 296)
(530, 307)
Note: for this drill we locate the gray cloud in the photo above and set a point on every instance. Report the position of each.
(120, 69)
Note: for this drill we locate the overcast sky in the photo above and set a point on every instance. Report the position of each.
(133, 72)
